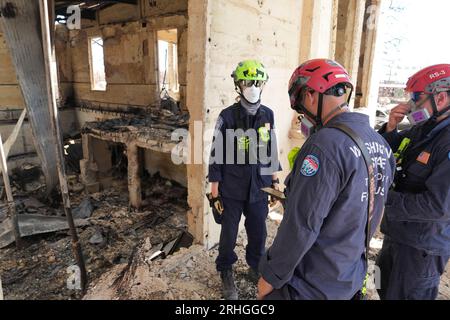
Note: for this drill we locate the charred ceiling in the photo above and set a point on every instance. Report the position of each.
(88, 8)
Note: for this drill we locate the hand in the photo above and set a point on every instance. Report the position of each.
(217, 207)
(215, 189)
(396, 116)
(215, 203)
(264, 288)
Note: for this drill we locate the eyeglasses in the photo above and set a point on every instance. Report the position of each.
(249, 83)
(415, 96)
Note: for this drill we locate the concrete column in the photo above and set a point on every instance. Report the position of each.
(317, 33)
(197, 64)
(335, 14)
(87, 148)
(349, 34)
(134, 178)
(318, 40)
(170, 67)
(368, 80)
(88, 167)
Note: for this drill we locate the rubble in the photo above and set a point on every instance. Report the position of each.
(84, 210)
(155, 253)
(30, 225)
(154, 124)
(190, 274)
(3, 211)
(97, 238)
(73, 182)
(29, 178)
(131, 254)
(32, 205)
(109, 240)
(184, 240)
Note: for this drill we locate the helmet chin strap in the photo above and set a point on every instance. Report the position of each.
(436, 113)
(318, 118)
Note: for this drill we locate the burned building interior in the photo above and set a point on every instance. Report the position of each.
(120, 82)
(122, 91)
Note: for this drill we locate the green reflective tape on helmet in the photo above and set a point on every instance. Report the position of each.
(292, 156)
(401, 150)
(250, 70)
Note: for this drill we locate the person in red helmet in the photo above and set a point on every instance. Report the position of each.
(334, 195)
(416, 225)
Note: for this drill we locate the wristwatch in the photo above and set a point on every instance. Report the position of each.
(277, 181)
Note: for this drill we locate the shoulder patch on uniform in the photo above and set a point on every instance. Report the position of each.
(310, 166)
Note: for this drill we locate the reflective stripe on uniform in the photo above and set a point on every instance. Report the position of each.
(401, 150)
(292, 156)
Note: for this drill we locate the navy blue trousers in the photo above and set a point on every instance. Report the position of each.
(408, 273)
(255, 226)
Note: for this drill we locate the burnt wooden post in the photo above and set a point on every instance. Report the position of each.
(9, 196)
(18, 20)
(50, 74)
(134, 178)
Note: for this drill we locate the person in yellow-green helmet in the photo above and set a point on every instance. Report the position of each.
(244, 159)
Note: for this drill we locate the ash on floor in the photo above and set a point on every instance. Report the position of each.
(191, 275)
(40, 270)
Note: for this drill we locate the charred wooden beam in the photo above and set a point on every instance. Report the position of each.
(52, 88)
(19, 20)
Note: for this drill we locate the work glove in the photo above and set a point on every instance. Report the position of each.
(216, 205)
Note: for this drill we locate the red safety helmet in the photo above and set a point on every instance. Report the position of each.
(430, 80)
(319, 75)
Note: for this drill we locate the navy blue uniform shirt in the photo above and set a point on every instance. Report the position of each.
(243, 181)
(418, 209)
(320, 246)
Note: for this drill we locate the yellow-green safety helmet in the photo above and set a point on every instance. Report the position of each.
(250, 70)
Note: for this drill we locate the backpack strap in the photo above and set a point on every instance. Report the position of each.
(371, 174)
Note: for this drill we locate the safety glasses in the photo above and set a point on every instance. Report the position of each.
(415, 96)
(249, 83)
